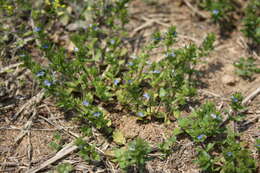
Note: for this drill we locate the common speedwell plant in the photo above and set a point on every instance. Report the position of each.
(136, 154)
(251, 21)
(226, 13)
(222, 12)
(84, 80)
(100, 76)
(218, 148)
(100, 72)
(149, 87)
(246, 67)
(203, 123)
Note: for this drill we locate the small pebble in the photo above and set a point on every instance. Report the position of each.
(228, 80)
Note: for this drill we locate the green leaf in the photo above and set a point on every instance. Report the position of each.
(177, 131)
(64, 168)
(162, 92)
(119, 138)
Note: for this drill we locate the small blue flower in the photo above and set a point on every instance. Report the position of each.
(146, 96)
(130, 81)
(95, 28)
(133, 56)
(213, 116)
(149, 62)
(215, 12)
(85, 103)
(112, 41)
(47, 83)
(157, 39)
(258, 145)
(201, 136)
(229, 154)
(40, 74)
(130, 63)
(45, 46)
(140, 114)
(116, 82)
(131, 148)
(76, 49)
(172, 54)
(156, 71)
(174, 33)
(234, 99)
(37, 29)
(97, 114)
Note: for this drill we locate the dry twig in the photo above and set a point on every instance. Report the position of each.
(71, 147)
(60, 127)
(5, 69)
(34, 100)
(27, 126)
(196, 11)
(251, 96)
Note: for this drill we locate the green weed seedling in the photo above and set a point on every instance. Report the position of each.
(218, 148)
(57, 143)
(64, 168)
(166, 147)
(167, 84)
(101, 72)
(221, 12)
(232, 157)
(134, 155)
(87, 151)
(246, 67)
(258, 145)
(203, 123)
(150, 2)
(251, 21)
(237, 107)
(85, 79)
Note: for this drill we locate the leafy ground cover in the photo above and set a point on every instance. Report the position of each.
(129, 86)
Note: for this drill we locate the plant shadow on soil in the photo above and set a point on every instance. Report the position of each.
(204, 73)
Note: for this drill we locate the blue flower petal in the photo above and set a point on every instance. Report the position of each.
(130, 63)
(47, 83)
(85, 103)
(140, 114)
(215, 12)
(201, 136)
(45, 46)
(97, 114)
(234, 99)
(116, 82)
(156, 71)
(229, 154)
(213, 116)
(37, 29)
(40, 74)
(146, 96)
(112, 41)
(76, 49)
(171, 54)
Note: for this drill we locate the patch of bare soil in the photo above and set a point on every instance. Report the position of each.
(25, 132)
